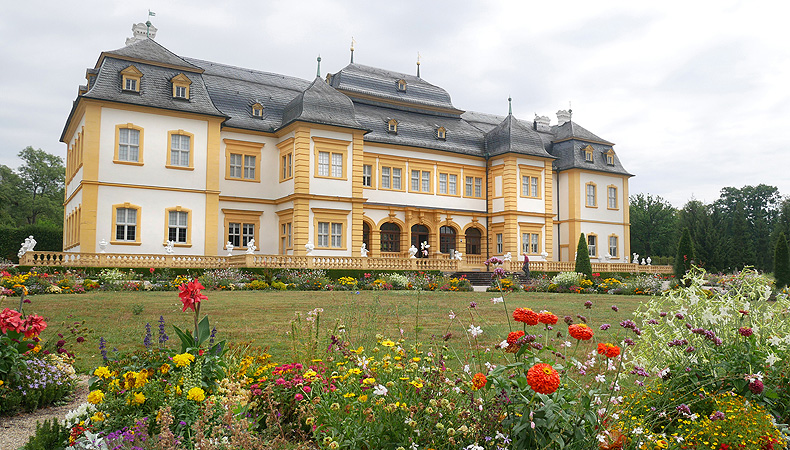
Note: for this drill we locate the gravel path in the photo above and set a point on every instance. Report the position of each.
(15, 431)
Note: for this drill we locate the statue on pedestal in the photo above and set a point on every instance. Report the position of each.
(169, 247)
(309, 247)
(363, 251)
(458, 255)
(251, 247)
(412, 252)
(230, 247)
(102, 245)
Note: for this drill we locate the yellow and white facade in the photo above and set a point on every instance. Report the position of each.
(169, 149)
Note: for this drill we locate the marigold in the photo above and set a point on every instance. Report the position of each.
(102, 372)
(580, 331)
(164, 369)
(479, 380)
(96, 397)
(608, 349)
(547, 318)
(526, 315)
(138, 398)
(543, 379)
(183, 359)
(197, 394)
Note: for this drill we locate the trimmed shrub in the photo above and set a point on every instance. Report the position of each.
(583, 258)
(685, 255)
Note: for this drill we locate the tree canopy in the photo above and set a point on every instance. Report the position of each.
(34, 192)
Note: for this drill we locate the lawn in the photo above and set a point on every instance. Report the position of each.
(265, 318)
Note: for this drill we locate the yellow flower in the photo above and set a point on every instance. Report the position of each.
(115, 384)
(349, 394)
(387, 343)
(2, 382)
(196, 394)
(136, 399)
(310, 375)
(96, 397)
(369, 381)
(416, 384)
(355, 371)
(102, 372)
(183, 359)
(362, 398)
(98, 417)
(164, 369)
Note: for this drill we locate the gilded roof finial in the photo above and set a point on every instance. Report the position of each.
(318, 69)
(418, 64)
(509, 106)
(352, 49)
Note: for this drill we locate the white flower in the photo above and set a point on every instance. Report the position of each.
(475, 331)
(499, 436)
(601, 438)
(497, 300)
(504, 344)
(708, 316)
(474, 447)
(380, 390)
(615, 416)
(775, 340)
(466, 368)
(772, 359)
(414, 446)
(637, 430)
(567, 344)
(600, 378)
(693, 417)
(452, 315)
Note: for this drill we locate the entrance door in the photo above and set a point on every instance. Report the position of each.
(419, 234)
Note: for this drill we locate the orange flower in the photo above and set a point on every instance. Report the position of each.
(543, 379)
(526, 315)
(580, 331)
(547, 318)
(513, 337)
(479, 380)
(609, 350)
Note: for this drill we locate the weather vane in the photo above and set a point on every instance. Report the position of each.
(148, 24)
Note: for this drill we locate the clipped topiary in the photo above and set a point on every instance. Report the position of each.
(583, 258)
(781, 262)
(685, 255)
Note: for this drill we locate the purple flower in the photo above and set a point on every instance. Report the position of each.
(80, 339)
(640, 371)
(147, 338)
(605, 327)
(162, 335)
(652, 322)
(684, 408)
(690, 349)
(588, 304)
(662, 314)
(568, 320)
(473, 305)
(499, 272)
(756, 386)
(629, 342)
(628, 323)
(717, 415)
(745, 331)
(679, 316)
(537, 345)
(615, 308)
(582, 318)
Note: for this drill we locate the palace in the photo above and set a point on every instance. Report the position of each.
(206, 156)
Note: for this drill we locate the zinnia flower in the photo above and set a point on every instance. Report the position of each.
(197, 394)
(190, 294)
(608, 349)
(479, 380)
(526, 315)
(756, 386)
(513, 337)
(745, 331)
(547, 318)
(580, 331)
(543, 379)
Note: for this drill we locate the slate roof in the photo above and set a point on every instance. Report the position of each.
(572, 130)
(320, 103)
(150, 50)
(570, 156)
(383, 84)
(512, 136)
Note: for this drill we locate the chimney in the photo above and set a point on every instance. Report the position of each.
(542, 123)
(141, 32)
(563, 116)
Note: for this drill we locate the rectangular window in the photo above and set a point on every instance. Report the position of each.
(591, 240)
(128, 144)
(613, 246)
(442, 183)
(534, 185)
(610, 160)
(426, 181)
(529, 186)
(469, 186)
(452, 185)
(530, 243)
(385, 178)
(323, 234)
(131, 84)
(181, 91)
(247, 233)
(285, 237)
(478, 187)
(249, 167)
(337, 235)
(235, 166)
(177, 227)
(337, 165)
(286, 166)
(591, 195)
(588, 156)
(323, 164)
(367, 175)
(125, 224)
(415, 180)
(499, 243)
(234, 234)
(396, 178)
(179, 150)
(612, 191)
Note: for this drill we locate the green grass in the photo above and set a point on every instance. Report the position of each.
(264, 318)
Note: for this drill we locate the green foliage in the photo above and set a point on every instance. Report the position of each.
(583, 258)
(653, 226)
(49, 237)
(50, 435)
(34, 193)
(781, 262)
(685, 254)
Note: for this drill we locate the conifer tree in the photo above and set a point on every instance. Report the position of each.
(781, 262)
(685, 254)
(583, 258)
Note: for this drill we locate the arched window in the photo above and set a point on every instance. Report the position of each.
(366, 235)
(446, 239)
(420, 234)
(473, 237)
(390, 237)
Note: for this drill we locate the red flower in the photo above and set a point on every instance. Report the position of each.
(34, 325)
(190, 294)
(151, 270)
(580, 331)
(513, 337)
(11, 320)
(609, 350)
(526, 315)
(547, 318)
(543, 379)
(479, 380)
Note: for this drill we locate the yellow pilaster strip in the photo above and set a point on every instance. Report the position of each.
(574, 212)
(510, 187)
(90, 172)
(301, 225)
(357, 150)
(626, 221)
(301, 162)
(548, 198)
(211, 239)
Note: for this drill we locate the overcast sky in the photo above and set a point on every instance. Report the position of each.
(695, 95)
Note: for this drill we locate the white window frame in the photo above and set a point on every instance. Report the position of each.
(385, 177)
(367, 175)
(179, 149)
(337, 165)
(127, 146)
(235, 165)
(613, 246)
(180, 229)
(592, 242)
(322, 234)
(323, 164)
(129, 221)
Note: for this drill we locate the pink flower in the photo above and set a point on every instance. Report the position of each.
(10, 319)
(306, 389)
(34, 325)
(299, 397)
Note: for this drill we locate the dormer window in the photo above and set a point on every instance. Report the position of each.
(588, 153)
(257, 110)
(610, 157)
(441, 133)
(181, 86)
(130, 79)
(392, 126)
(402, 85)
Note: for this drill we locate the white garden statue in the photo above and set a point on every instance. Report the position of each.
(169, 247)
(230, 247)
(607, 257)
(643, 261)
(363, 251)
(27, 246)
(424, 246)
(649, 261)
(636, 258)
(309, 247)
(544, 255)
(458, 255)
(412, 251)
(102, 245)
(507, 257)
(251, 247)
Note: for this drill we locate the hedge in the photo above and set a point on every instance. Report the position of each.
(48, 238)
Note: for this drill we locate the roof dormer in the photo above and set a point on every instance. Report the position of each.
(130, 79)
(392, 126)
(257, 110)
(441, 133)
(181, 85)
(609, 157)
(588, 153)
(401, 85)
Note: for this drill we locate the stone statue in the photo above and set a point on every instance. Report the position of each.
(363, 251)
(607, 257)
(169, 247)
(636, 258)
(27, 246)
(424, 246)
(229, 246)
(251, 247)
(643, 261)
(102, 245)
(458, 255)
(309, 247)
(507, 257)
(544, 255)
(412, 252)
(649, 261)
